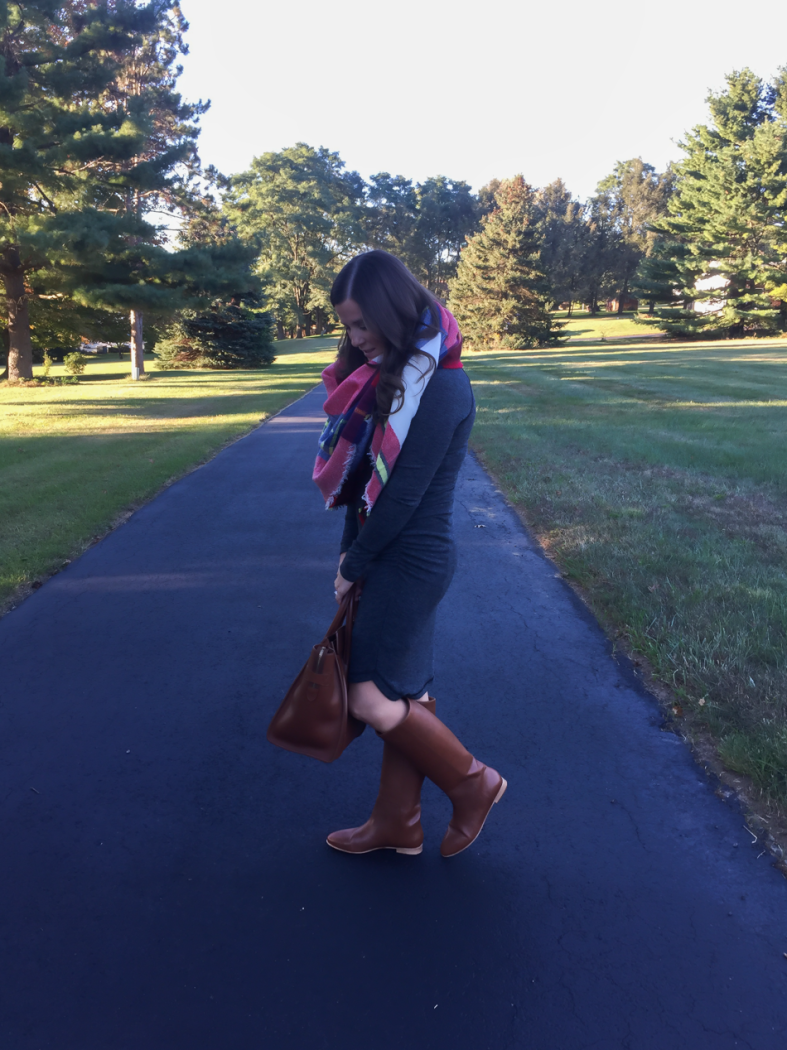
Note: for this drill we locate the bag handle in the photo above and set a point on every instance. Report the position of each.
(352, 609)
(346, 610)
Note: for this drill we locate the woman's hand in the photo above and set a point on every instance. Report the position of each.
(340, 585)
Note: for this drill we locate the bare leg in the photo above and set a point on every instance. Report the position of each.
(369, 705)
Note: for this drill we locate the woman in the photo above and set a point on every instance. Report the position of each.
(400, 411)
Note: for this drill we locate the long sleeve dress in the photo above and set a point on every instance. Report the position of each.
(405, 550)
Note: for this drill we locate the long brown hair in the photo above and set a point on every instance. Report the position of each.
(392, 303)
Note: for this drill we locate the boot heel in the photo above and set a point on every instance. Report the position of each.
(411, 852)
(502, 790)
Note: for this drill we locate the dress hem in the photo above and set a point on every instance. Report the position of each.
(387, 689)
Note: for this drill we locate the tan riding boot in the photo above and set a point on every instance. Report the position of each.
(395, 822)
(472, 787)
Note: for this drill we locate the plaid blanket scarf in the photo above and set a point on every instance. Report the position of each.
(350, 433)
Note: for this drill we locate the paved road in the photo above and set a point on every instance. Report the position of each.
(166, 885)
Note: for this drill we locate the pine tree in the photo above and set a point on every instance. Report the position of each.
(54, 61)
(160, 177)
(92, 136)
(721, 258)
(499, 295)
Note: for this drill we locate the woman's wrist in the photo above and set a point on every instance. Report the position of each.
(343, 575)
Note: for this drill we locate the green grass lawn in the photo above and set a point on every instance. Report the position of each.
(582, 329)
(75, 459)
(656, 477)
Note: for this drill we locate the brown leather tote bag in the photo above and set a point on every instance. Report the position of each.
(313, 718)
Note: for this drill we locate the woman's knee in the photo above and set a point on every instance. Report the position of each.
(365, 700)
(368, 704)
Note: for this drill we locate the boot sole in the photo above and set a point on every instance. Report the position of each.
(497, 798)
(361, 852)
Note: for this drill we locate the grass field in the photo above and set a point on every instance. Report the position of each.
(75, 459)
(656, 477)
(582, 329)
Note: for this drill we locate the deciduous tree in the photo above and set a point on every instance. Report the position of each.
(564, 242)
(390, 217)
(425, 225)
(448, 214)
(627, 202)
(303, 210)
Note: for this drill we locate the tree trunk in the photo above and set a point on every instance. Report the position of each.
(137, 345)
(20, 348)
(5, 342)
(623, 296)
(280, 334)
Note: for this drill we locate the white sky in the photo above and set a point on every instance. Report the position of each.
(470, 91)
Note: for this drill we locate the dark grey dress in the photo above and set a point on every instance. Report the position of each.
(405, 550)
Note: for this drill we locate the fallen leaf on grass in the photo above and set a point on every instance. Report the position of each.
(677, 710)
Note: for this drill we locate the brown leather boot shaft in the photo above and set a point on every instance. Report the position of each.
(395, 821)
(431, 745)
(472, 787)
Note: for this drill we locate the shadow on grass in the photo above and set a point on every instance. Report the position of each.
(228, 406)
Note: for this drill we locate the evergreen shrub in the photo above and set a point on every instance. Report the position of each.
(225, 337)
